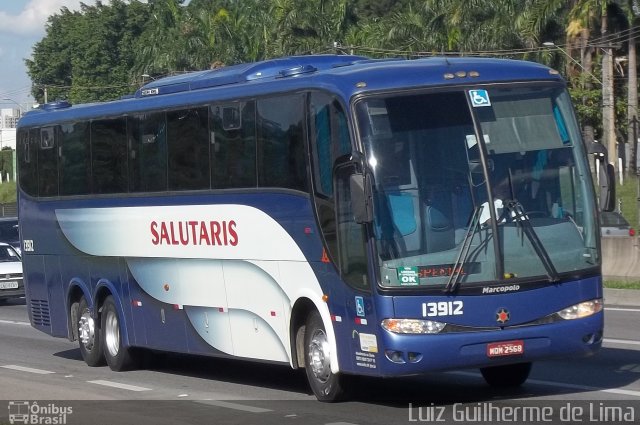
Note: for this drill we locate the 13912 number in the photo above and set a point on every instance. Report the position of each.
(442, 308)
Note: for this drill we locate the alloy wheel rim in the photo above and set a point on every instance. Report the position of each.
(112, 334)
(319, 356)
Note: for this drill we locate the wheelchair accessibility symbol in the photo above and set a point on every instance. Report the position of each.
(360, 307)
(479, 98)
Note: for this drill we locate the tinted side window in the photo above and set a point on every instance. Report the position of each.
(329, 140)
(109, 155)
(281, 158)
(188, 148)
(148, 152)
(352, 236)
(233, 147)
(27, 154)
(74, 159)
(48, 162)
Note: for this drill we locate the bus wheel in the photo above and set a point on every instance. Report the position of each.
(118, 356)
(512, 375)
(326, 386)
(89, 336)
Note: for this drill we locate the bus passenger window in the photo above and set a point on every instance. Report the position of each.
(188, 149)
(109, 155)
(47, 163)
(281, 158)
(148, 152)
(75, 166)
(28, 161)
(233, 147)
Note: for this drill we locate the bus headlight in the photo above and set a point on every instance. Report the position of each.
(584, 309)
(412, 326)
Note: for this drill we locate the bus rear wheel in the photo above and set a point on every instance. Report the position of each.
(326, 385)
(118, 356)
(506, 376)
(89, 336)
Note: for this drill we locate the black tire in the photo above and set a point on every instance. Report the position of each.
(118, 357)
(326, 386)
(506, 376)
(89, 337)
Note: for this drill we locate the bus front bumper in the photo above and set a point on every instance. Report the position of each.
(402, 355)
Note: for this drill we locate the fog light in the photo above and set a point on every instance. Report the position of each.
(414, 357)
(591, 339)
(394, 356)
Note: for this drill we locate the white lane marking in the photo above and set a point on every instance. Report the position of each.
(564, 385)
(119, 385)
(585, 387)
(27, 369)
(621, 341)
(637, 310)
(15, 322)
(235, 406)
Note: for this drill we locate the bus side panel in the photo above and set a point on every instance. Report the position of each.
(354, 322)
(105, 275)
(36, 292)
(138, 303)
(127, 305)
(57, 302)
(359, 346)
(165, 326)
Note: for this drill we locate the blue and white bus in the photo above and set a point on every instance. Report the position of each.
(335, 213)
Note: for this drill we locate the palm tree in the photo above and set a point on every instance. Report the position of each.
(160, 52)
(303, 26)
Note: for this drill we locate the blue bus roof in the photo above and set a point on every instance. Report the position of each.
(345, 75)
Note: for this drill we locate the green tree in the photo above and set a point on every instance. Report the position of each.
(87, 55)
(50, 69)
(310, 26)
(161, 43)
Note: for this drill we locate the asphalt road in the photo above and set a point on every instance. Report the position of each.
(46, 378)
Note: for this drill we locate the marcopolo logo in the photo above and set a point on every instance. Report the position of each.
(498, 289)
(32, 413)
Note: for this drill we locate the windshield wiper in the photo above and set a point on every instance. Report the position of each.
(518, 214)
(463, 254)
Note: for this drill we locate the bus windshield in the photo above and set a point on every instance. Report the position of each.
(511, 204)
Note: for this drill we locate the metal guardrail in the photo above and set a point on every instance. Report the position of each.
(9, 210)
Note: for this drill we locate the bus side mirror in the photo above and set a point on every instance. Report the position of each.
(361, 199)
(606, 177)
(607, 184)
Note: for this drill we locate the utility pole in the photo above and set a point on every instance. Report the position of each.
(632, 108)
(608, 109)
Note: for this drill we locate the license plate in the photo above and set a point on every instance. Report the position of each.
(8, 285)
(505, 348)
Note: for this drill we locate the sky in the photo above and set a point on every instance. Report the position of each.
(22, 24)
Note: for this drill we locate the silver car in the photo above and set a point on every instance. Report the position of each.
(11, 283)
(612, 223)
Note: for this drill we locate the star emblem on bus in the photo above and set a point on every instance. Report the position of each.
(503, 315)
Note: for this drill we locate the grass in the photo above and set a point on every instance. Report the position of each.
(627, 199)
(7, 192)
(619, 284)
